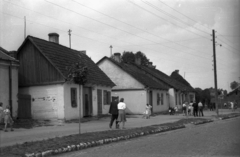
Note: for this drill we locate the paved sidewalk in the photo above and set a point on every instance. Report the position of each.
(39, 133)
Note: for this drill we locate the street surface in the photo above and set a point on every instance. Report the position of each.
(217, 139)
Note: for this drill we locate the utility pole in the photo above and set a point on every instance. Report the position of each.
(69, 33)
(24, 27)
(110, 50)
(215, 71)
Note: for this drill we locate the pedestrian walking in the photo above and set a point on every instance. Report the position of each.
(200, 109)
(195, 109)
(113, 110)
(7, 118)
(121, 113)
(1, 113)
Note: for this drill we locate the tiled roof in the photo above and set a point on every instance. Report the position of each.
(138, 74)
(175, 75)
(62, 57)
(4, 54)
(165, 78)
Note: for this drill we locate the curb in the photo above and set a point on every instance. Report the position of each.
(202, 122)
(228, 117)
(89, 144)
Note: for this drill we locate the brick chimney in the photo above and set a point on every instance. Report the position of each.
(138, 61)
(53, 37)
(117, 57)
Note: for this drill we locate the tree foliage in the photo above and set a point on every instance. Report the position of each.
(129, 57)
(234, 85)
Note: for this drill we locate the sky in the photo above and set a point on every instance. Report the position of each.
(173, 34)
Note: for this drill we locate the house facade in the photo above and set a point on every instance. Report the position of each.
(9, 81)
(132, 84)
(44, 76)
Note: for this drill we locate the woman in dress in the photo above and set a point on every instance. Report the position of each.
(121, 113)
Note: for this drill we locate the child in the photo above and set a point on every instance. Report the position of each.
(7, 118)
(147, 113)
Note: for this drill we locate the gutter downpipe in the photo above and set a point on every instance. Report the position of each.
(10, 87)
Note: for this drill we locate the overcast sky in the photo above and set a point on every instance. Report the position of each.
(174, 34)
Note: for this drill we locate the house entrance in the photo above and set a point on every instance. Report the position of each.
(24, 106)
(150, 101)
(99, 101)
(87, 101)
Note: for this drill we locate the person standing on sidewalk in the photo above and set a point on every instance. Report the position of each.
(184, 108)
(195, 109)
(200, 108)
(121, 113)
(113, 110)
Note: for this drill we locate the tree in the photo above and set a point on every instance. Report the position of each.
(128, 57)
(234, 85)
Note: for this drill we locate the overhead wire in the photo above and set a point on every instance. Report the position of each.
(164, 12)
(74, 34)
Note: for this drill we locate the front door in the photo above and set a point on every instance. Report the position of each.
(87, 102)
(150, 101)
(99, 101)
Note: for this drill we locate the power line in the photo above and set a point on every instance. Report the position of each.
(120, 29)
(82, 36)
(133, 26)
(164, 12)
(165, 19)
(182, 14)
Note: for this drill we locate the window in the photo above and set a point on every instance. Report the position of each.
(74, 97)
(162, 98)
(106, 97)
(158, 99)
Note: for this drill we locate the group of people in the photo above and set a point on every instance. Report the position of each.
(117, 111)
(193, 109)
(5, 117)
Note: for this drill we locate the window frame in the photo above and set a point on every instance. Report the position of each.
(73, 95)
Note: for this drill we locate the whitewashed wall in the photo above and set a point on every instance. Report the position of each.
(47, 101)
(122, 79)
(4, 86)
(69, 111)
(135, 100)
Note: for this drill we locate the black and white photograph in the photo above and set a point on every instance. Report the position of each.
(119, 78)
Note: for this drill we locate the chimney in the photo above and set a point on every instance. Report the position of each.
(54, 37)
(117, 57)
(138, 61)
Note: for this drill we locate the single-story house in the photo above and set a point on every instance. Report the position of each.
(9, 81)
(44, 76)
(178, 92)
(135, 86)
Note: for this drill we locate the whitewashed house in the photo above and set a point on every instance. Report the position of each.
(9, 81)
(135, 86)
(44, 77)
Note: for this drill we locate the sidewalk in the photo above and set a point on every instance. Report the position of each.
(19, 136)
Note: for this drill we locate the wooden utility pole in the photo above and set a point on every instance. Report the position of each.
(69, 33)
(215, 71)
